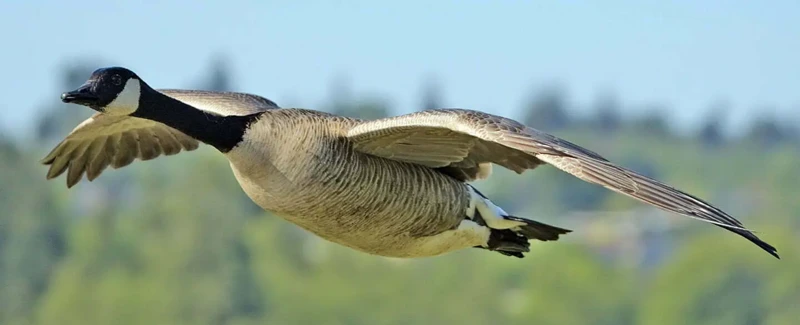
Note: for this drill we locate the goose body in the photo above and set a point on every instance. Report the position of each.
(395, 187)
(369, 203)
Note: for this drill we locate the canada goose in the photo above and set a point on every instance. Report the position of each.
(395, 186)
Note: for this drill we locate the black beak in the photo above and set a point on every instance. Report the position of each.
(81, 96)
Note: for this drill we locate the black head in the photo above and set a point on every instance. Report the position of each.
(113, 90)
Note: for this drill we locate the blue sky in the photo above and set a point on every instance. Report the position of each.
(488, 55)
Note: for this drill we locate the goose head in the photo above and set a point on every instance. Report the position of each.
(113, 91)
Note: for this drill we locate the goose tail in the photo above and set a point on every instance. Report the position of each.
(516, 241)
(509, 235)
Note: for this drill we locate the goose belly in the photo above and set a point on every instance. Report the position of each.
(384, 208)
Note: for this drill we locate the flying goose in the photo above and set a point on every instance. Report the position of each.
(396, 186)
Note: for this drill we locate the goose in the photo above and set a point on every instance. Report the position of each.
(395, 187)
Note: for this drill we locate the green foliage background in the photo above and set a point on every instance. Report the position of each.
(176, 241)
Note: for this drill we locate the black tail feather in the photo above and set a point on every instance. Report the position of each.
(514, 242)
(537, 230)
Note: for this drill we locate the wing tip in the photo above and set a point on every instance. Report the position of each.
(755, 240)
(771, 250)
(768, 248)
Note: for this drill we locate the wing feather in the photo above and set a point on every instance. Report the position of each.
(117, 141)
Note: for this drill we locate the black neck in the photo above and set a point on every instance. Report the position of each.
(221, 132)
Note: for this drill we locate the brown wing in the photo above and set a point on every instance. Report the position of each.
(438, 139)
(464, 139)
(102, 140)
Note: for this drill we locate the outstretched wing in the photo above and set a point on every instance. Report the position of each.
(103, 140)
(463, 140)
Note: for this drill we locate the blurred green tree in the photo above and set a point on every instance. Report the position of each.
(32, 234)
(432, 97)
(720, 285)
(220, 75)
(767, 132)
(653, 122)
(547, 109)
(711, 134)
(606, 119)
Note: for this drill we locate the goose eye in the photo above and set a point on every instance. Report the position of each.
(116, 79)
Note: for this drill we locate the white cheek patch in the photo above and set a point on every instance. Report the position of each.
(127, 101)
